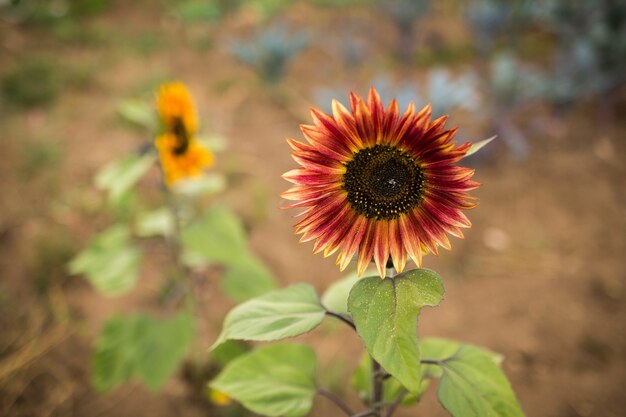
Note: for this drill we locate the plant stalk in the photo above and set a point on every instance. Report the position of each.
(377, 388)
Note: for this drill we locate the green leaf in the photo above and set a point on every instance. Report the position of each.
(476, 146)
(392, 388)
(206, 184)
(276, 315)
(472, 385)
(335, 297)
(228, 351)
(110, 262)
(216, 237)
(140, 346)
(247, 278)
(138, 113)
(118, 177)
(385, 314)
(159, 222)
(198, 11)
(437, 349)
(276, 380)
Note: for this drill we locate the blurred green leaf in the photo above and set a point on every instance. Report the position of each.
(206, 184)
(247, 278)
(34, 82)
(385, 314)
(109, 262)
(228, 351)
(139, 113)
(276, 380)
(159, 222)
(118, 177)
(276, 315)
(198, 11)
(335, 297)
(140, 346)
(472, 385)
(214, 142)
(216, 237)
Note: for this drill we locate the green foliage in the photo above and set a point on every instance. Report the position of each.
(53, 250)
(276, 380)
(138, 113)
(228, 351)
(140, 346)
(198, 11)
(276, 315)
(34, 82)
(47, 11)
(88, 7)
(385, 314)
(208, 184)
(118, 177)
(159, 222)
(392, 388)
(270, 50)
(247, 278)
(437, 349)
(218, 236)
(472, 385)
(110, 261)
(335, 297)
(39, 157)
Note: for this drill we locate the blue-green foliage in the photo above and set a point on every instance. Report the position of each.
(270, 50)
(46, 11)
(443, 90)
(592, 38)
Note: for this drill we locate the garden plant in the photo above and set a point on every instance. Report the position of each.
(374, 185)
(201, 234)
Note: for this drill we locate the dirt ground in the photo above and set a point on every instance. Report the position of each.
(539, 277)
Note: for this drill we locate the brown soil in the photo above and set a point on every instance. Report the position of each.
(539, 277)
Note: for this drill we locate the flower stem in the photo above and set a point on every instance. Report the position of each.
(378, 374)
(341, 317)
(183, 273)
(394, 406)
(377, 388)
(336, 399)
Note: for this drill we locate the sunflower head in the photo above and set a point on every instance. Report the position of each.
(182, 161)
(379, 184)
(176, 108)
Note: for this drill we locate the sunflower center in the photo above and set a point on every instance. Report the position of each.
(383, 182)
(182, 138)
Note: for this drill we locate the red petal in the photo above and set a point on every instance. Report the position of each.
(367, 248)
(398, 254)
(353, 241)
(381, 246)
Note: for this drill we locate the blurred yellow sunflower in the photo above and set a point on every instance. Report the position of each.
(182, 155)
(176, 108)
(379, 184)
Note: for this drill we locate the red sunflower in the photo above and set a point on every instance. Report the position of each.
(379, 184)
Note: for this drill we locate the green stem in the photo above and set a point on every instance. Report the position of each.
(183, 273)
(336, 399)
(377, 388)
(396, 403)
(341, 317)
(378, 374)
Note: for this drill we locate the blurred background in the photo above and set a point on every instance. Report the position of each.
(540, 277)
